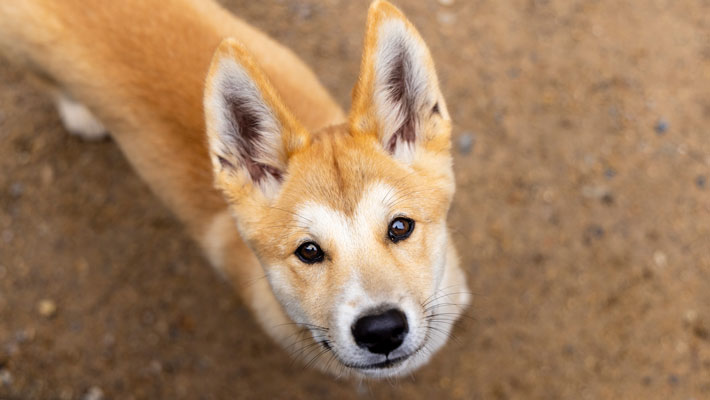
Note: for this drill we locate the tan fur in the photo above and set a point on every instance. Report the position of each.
(142, 74)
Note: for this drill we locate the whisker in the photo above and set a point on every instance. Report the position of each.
(454, 316)
(310, 340)
(303, 324)
(437, 291)
(301, 341)
(461, 306)
(307, 350)
(448, 335)
(313, 360)
(447, 295)
(332, 358)
(252, 282)
(442, 334)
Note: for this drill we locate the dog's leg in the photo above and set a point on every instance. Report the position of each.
(78, 120)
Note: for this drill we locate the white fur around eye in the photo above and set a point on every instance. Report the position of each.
(348, 233)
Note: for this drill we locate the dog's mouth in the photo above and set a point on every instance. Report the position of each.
(383, 365)
(380, 365)
(389, 363)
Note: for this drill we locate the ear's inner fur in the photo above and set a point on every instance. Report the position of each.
(245, 129)
(405, 90)
(399, 91)
(248, 132)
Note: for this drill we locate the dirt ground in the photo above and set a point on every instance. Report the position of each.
(582, 137)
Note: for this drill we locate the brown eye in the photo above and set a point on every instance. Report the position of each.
(400, 228)
(309, 253)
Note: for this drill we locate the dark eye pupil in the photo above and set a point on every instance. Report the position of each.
(398, 226)
(309, 253)
(310, 250)
(400, 229)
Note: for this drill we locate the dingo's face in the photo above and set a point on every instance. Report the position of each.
(354, 247)
(349, 223)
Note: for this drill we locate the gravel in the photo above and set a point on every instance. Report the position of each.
(446, 17)
(94, 393)
(5, 377)
(661, 126)
(47, 308)
(465, 142)
(16, 189)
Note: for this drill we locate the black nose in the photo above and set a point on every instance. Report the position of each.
(381, 333)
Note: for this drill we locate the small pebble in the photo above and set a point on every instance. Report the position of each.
(548, 195)
(109, 340)
(445, 382)
(446, 17)
(661, 126)
(701, 331)
(446, 2)
(610, 173)
(594, 192)
(701, 181)
(25, 335)
(66, 394)
(690, 316)
(608, 199)
(302, 11)
(47, 308)
(203, 364)
(16, 189)
(148, 318)
(82, 266)
(155, 367)
(593, 232)
(465, 142)
(5, 377)
(12, 348)
(7, 235)
(46, 175)
(75, 326)
(94, 393)
(660, 258)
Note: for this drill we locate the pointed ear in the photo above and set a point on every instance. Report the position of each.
(397, 95)
(251, 134)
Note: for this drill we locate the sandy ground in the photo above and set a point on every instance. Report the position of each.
(582, 215)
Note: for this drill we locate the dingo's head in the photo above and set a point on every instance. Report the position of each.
(348, 223)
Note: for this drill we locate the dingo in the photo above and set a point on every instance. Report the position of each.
(346, 217)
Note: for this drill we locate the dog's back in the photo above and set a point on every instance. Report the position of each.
(140, 67)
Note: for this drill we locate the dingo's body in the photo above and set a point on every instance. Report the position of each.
(138, 69)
